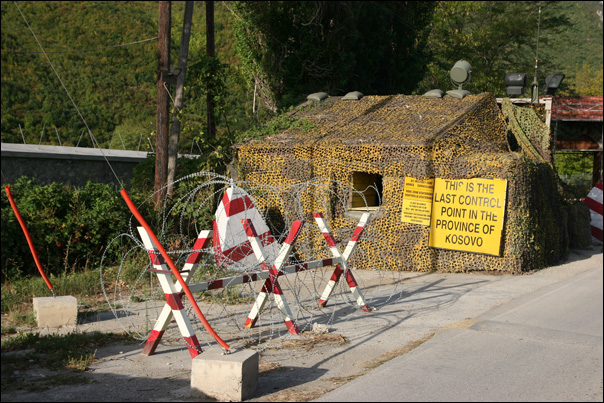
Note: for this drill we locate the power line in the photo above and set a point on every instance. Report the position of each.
(82, 50)
(68, 94)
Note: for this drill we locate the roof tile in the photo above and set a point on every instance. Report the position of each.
(577, 109)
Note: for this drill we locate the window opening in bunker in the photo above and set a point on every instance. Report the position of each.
(371, 187)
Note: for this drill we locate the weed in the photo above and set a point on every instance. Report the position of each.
(80, 363)
(51, 355)
(17, 307)
(231, 295)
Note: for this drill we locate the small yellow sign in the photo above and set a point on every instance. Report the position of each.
(417, 201)
(468, 215)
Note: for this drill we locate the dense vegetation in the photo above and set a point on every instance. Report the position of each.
(289, 49)
(70, 227)
(501, 37)
(270, 55)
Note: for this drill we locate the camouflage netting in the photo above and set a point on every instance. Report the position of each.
(399, 136)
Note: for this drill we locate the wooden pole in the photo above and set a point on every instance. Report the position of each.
(211, 51)
(179, 93)
(163, 102)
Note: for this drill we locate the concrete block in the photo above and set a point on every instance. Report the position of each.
(226, 377)
(56, 311)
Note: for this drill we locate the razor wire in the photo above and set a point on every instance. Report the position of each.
(135, 297)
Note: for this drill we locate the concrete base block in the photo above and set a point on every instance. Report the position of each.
(226, 377)
(56, 311)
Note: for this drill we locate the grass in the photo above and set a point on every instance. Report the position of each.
(56, 359)
(17, 297)
(231, 295)
(37, 362)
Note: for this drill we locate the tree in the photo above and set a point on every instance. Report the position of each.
(179, 93)
(109, 84)
(211, 52)
(588, 81)
(495, 37)
(162, 136)
(292, 48)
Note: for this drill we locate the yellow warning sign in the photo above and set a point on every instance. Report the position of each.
(417, 201)
(468, 215)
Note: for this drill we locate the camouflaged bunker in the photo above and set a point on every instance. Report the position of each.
(384, 139)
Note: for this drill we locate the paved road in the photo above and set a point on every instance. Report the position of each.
(545, 345)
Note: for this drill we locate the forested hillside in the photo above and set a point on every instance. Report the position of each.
(270, 55)
(105, 54)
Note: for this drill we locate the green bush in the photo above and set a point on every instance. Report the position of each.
(576, 171)
(69, 227)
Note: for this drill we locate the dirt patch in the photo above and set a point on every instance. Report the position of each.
(310, 340)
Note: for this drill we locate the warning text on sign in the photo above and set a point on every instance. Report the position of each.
(417, 201)
(468, 215)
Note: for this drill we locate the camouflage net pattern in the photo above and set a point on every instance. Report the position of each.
(529, 130)
(400, 136)
(136, 298)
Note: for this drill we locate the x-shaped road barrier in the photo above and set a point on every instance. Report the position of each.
(269, 273)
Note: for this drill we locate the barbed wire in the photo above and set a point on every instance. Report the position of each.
(135, 297)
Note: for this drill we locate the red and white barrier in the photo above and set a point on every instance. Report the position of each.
(173, 293)
(231, 243)
(271, 285)
(253, 251)
(342, 267)
(594, 202)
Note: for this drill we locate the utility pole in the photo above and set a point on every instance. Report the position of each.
(179, 92)
(163, 102)
(211, 52)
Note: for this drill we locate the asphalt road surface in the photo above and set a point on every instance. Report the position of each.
(543, 346)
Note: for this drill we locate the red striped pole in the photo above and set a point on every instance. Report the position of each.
(172, 266)
(271, 285)
(594, 202)
(262, 275)
(166, 314)
(27, 237)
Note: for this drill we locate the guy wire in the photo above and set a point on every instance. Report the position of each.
(69, 95)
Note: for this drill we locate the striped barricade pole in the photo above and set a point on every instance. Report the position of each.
(271, 284)
(342, 258)
(173, 293)
(594, 202)
(270, 276)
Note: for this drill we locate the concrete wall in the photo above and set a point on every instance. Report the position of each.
(69, 165)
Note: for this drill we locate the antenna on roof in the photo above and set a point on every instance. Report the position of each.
(535, 85)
